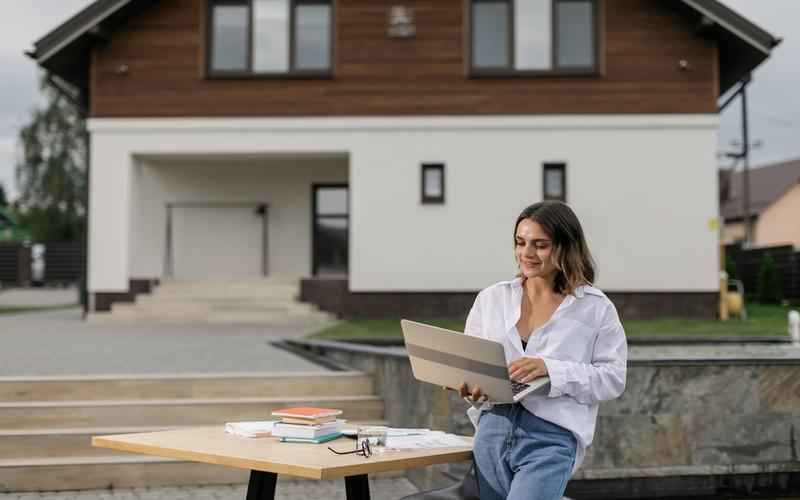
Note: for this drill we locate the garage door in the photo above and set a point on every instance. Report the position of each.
(217, 242)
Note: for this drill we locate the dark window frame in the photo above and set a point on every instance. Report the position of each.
(314, 216)
(248, 73)
(431, 200)
(509, 71)
(562, 168)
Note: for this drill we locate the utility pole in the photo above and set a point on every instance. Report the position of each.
(748, 226)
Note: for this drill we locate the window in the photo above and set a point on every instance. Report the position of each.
(534, 36)
(270, 37)
(554, 181)
(432, 183)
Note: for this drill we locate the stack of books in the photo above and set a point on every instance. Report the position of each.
(307, 425)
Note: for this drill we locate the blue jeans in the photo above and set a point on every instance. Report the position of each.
(521, 456)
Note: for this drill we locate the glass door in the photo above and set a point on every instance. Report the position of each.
(330, 209)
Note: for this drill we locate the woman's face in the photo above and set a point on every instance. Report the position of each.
(533, 249)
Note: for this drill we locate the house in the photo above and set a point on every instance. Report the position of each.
(774, 205)
(379, 151)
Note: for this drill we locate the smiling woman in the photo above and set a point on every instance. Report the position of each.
(551, 322)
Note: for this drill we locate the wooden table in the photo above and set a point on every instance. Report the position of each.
(267, 457)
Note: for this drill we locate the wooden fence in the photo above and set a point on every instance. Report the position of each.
(748, 266)
(15, 264)
(63, 262)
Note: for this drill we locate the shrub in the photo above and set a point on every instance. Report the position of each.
(730, 267)
(770, 288)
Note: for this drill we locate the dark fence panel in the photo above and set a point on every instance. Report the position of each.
(15, 264)
(748, 267)
(63, 262)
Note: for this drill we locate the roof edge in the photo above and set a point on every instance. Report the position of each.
(736, 24)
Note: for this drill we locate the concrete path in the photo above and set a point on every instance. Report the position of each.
(380, 489)
(60, 343)
(38, 297)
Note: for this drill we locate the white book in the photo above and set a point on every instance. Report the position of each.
(307, 431)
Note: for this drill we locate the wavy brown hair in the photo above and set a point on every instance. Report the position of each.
(571, 256)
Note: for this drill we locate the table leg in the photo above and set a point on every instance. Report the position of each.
(357, 487)
(262, 485)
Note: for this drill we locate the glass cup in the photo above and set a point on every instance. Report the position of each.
(374, 434)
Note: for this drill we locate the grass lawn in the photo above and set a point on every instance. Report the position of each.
(31, 309)
(767, 320)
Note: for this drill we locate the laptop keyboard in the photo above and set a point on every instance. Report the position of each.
(516, 387)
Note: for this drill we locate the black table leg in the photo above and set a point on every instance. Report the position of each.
(262, 485)
(357, 487)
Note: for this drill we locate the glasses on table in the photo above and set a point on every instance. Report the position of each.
(362, 449)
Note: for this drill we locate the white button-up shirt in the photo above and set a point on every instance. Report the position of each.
(583, 346)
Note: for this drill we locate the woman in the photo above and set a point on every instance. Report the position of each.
(551, 322)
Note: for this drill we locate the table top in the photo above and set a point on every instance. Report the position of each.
(213, 445)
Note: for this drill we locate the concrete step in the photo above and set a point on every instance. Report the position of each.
(53, 443)
(110, 471)
(170, 412)
(206, 306)
(176, 386)
(131, 315)
(276, 303)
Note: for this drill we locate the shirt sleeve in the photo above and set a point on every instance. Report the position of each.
(604, 378)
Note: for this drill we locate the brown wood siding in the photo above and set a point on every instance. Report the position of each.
(641, 44)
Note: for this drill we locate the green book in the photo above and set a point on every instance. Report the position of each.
(317, 440)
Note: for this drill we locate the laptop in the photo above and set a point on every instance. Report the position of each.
(448, 358)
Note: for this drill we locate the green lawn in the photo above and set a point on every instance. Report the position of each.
(31, 309)
(766, 320)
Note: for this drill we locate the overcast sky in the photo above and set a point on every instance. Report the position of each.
(774, 108)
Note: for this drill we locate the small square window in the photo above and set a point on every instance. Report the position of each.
(433, 183)
(554, 181)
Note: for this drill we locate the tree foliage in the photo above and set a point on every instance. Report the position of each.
(50, 170)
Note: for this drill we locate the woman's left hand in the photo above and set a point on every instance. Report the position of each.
(525, 369)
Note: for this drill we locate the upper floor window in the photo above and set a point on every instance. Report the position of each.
(270, 37)
(534, 36)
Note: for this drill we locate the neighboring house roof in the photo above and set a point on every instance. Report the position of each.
(767, 184)
(65, 50)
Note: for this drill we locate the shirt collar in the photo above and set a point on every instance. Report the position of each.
(514, 312)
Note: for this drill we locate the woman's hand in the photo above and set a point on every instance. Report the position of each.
(475, 395)
(525, 370)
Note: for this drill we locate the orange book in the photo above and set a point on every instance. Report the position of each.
(306, 413)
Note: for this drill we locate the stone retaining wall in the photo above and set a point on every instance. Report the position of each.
(700, 426)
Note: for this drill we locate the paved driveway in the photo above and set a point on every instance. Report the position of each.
(60, 343)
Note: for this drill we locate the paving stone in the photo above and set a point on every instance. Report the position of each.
(287, 489)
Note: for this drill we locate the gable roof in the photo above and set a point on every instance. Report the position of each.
(64, 51)
(767, 184)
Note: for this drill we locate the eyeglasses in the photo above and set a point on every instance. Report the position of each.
(364, 449)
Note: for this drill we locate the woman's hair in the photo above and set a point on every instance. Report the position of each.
(571, 256)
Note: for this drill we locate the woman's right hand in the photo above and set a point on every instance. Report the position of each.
(475, 395)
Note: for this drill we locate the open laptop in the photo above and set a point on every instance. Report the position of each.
(447, 358)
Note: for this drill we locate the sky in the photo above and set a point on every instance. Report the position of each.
(773, 108)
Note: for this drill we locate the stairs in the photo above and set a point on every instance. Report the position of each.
(46, 423)
(270, 301)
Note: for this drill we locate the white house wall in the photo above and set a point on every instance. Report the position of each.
(644, 187)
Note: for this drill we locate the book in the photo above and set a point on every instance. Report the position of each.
(307, 413)
(307, 421)
(321, 439)
(250, 429)
(282, 429)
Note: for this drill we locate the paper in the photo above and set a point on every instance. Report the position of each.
(430, 439)
(250, 429)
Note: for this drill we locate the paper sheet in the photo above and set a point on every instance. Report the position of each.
(430, 439)
(250, 429)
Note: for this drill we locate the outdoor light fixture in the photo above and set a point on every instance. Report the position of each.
(401, 22)
(122, 69)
